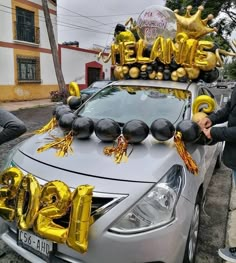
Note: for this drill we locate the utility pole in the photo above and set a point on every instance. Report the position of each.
(60, 78)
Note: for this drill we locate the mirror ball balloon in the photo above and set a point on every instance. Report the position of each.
(82, 127)
(190, 130)
(66, 120)
(162, 129)
(107, 130)
(135, 131)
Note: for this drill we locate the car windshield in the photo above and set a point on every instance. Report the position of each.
(125, 103)
(98, 84)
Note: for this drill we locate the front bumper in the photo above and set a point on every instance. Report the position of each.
(165, 244)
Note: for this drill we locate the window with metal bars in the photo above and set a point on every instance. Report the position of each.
(25, 28)
(28, 69)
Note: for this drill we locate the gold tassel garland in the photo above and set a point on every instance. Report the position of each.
(119, 151)
(184, 154)
(48, 127)
(63, 145)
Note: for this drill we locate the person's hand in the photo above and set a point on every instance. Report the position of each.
(205, 123)
(207, 133)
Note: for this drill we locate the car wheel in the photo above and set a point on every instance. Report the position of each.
(191, 245)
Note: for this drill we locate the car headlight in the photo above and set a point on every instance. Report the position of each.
(156, 208)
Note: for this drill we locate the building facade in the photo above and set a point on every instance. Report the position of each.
(26, 65)
(82, 65)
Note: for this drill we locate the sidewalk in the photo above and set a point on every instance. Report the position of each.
(16, 105)
(231, 225)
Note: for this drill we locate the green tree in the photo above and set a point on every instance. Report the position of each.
(231, 70)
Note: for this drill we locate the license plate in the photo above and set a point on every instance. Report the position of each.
(35, 244)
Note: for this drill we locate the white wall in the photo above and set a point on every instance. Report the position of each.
(48, 75)
(7, 66)
(44, 41)
(6, 33)
(73, 65)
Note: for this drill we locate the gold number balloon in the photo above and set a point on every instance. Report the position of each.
(10, 180)
(74, 89)
(80, 218)
(55, 199)
(28, 201)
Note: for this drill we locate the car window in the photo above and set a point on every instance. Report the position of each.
(123, 103)
(99, 84)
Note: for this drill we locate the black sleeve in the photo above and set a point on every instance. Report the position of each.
(227, 134)
(221, 115)
(12, 126)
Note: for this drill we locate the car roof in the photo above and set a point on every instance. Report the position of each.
(158, 83)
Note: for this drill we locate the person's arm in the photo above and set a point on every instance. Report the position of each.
(12, 126)
(227, 134)
(221, 115)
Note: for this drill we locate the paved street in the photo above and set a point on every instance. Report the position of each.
(214, 210)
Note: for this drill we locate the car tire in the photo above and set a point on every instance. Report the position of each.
(191, 245)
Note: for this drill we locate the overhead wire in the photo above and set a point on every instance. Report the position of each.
(59, 23)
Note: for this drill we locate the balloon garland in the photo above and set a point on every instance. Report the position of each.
(133, 132)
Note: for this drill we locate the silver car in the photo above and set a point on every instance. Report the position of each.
(143, 210)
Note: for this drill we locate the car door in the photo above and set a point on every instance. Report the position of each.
(211, 150)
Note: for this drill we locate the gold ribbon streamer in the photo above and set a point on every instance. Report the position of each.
(184, 154)
(63, 145)
(48, 127)
(119, 151)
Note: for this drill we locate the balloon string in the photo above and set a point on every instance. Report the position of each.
(119, 151)
(63, 145)
(184, 154)
(48, 127)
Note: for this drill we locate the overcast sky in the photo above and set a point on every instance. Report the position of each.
(93, 21)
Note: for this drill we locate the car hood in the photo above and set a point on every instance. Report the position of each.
(147, 161)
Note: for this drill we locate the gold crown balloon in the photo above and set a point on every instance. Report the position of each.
(193, 25)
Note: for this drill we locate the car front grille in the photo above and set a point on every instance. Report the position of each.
(101, 203)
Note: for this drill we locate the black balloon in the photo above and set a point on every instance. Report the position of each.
(166, 74)
(74, 102)
(135, 131)
(174, 65)
(66, 120)
(107, 130)
(149, 69)
(62, 111)
(190, 130)
(143, 75)
(57, 108)
(82, 127)
(162, 129)
(209, 76)
(160, 68)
